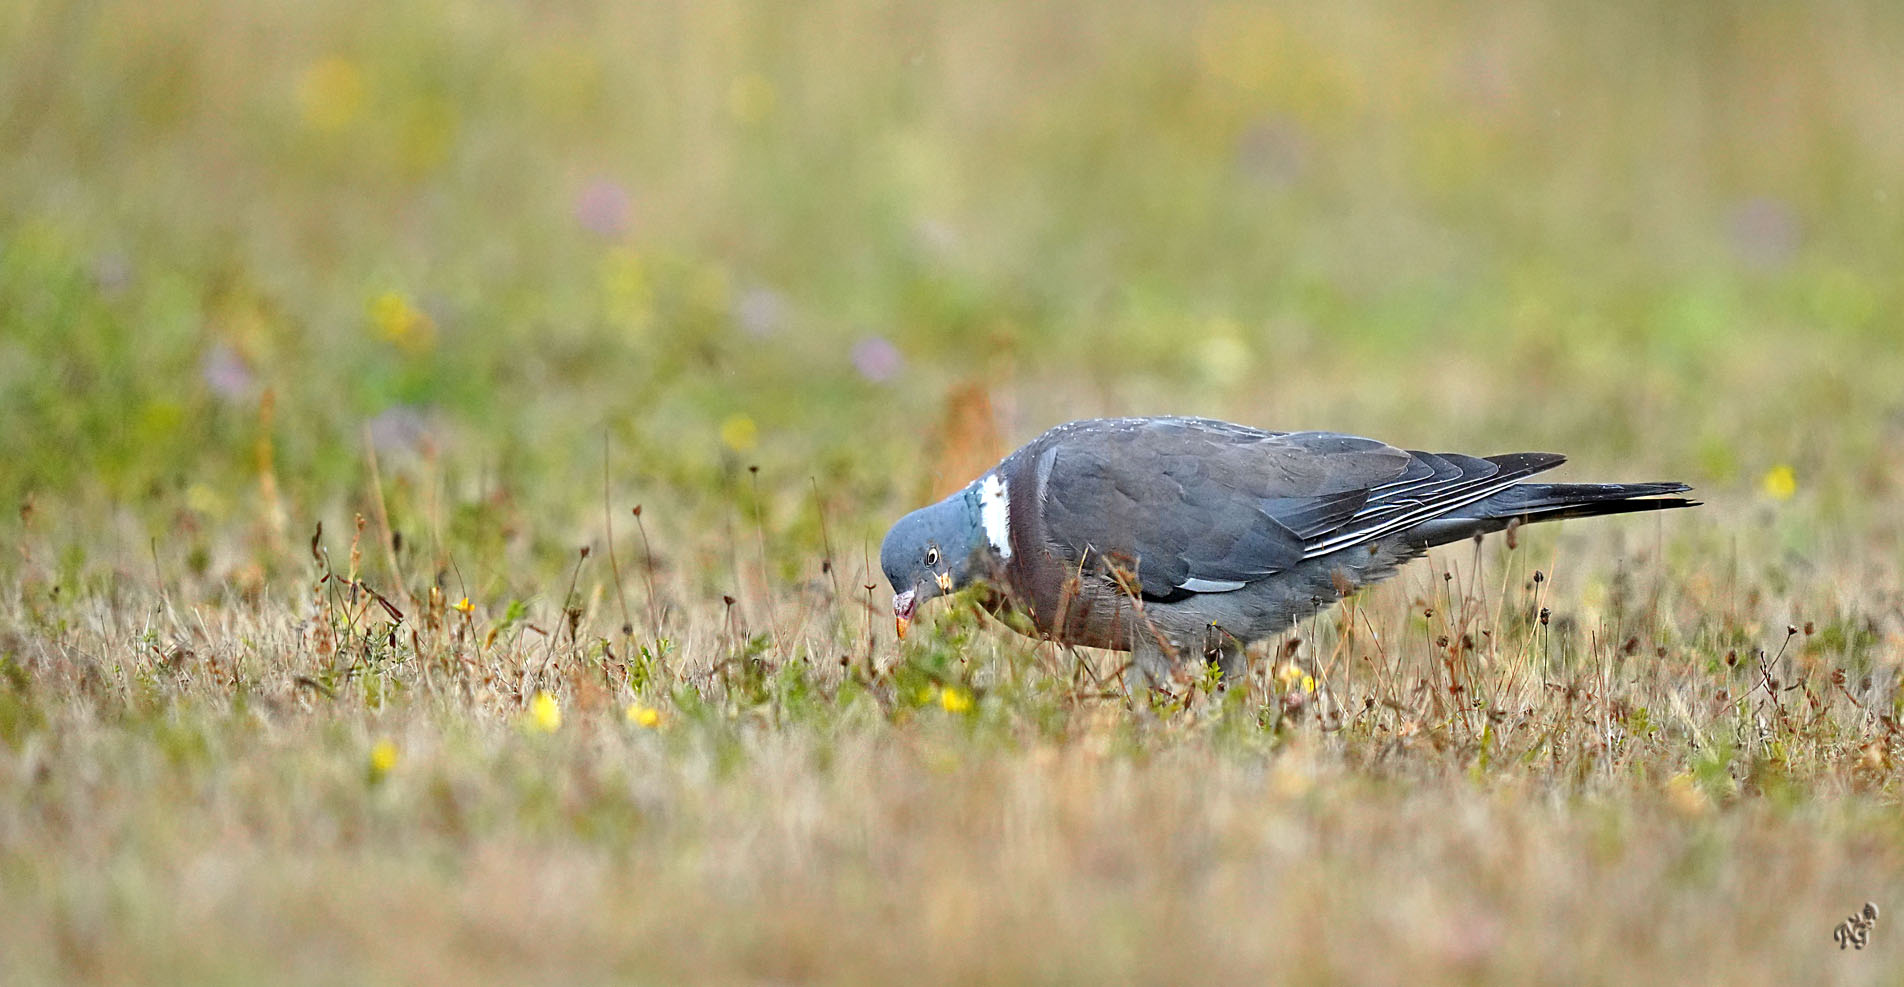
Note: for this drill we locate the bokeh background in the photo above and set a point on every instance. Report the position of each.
(870, 246)
(466, 283)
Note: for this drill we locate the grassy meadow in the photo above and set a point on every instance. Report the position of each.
(445, 448)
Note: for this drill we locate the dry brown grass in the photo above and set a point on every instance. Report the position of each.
(190, 795)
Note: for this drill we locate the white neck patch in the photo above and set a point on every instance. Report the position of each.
(994, 512)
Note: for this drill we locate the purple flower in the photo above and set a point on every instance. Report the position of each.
(402, 429)
(1486, 77)
(936, 237)
(226, 373)
(112, 272)
(603, 208)
(1274, 152)
(760, 311)
(877, 359)
(1765, 233)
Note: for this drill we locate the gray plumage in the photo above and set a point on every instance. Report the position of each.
(1176, 538)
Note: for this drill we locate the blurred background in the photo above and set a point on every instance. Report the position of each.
(250, 249)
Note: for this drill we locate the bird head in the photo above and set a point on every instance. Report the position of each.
(931, 552)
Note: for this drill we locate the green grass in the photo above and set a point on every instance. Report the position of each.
(467, 284)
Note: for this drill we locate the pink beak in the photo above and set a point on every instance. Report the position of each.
(902, 612)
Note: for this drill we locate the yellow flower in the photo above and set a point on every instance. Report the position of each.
(402, 323)
(205, 500)
(1308, 682)
(427, 132)
(383, 759)
(627, 290)
(646, 717)
(750, 98)
(330, 93)
(1780, 482)
(955, 700)
(1223, 357)
(739, 433)
(545, 714)
(1683, 794)
(1242, 45)
(1291, 779)
(710, 289)
(1289, 674)
(463, 606)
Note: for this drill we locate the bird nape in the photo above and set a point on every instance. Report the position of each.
(1189, 538)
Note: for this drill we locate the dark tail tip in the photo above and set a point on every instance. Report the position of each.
(1622, 498)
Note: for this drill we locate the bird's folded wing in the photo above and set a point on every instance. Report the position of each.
(1199, 507)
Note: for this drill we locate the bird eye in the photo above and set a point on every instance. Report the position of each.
(932, 557)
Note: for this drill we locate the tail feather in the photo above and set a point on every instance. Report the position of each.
(1527, 503)
(1588, 499)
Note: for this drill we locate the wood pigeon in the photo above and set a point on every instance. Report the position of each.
(1174, 537)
